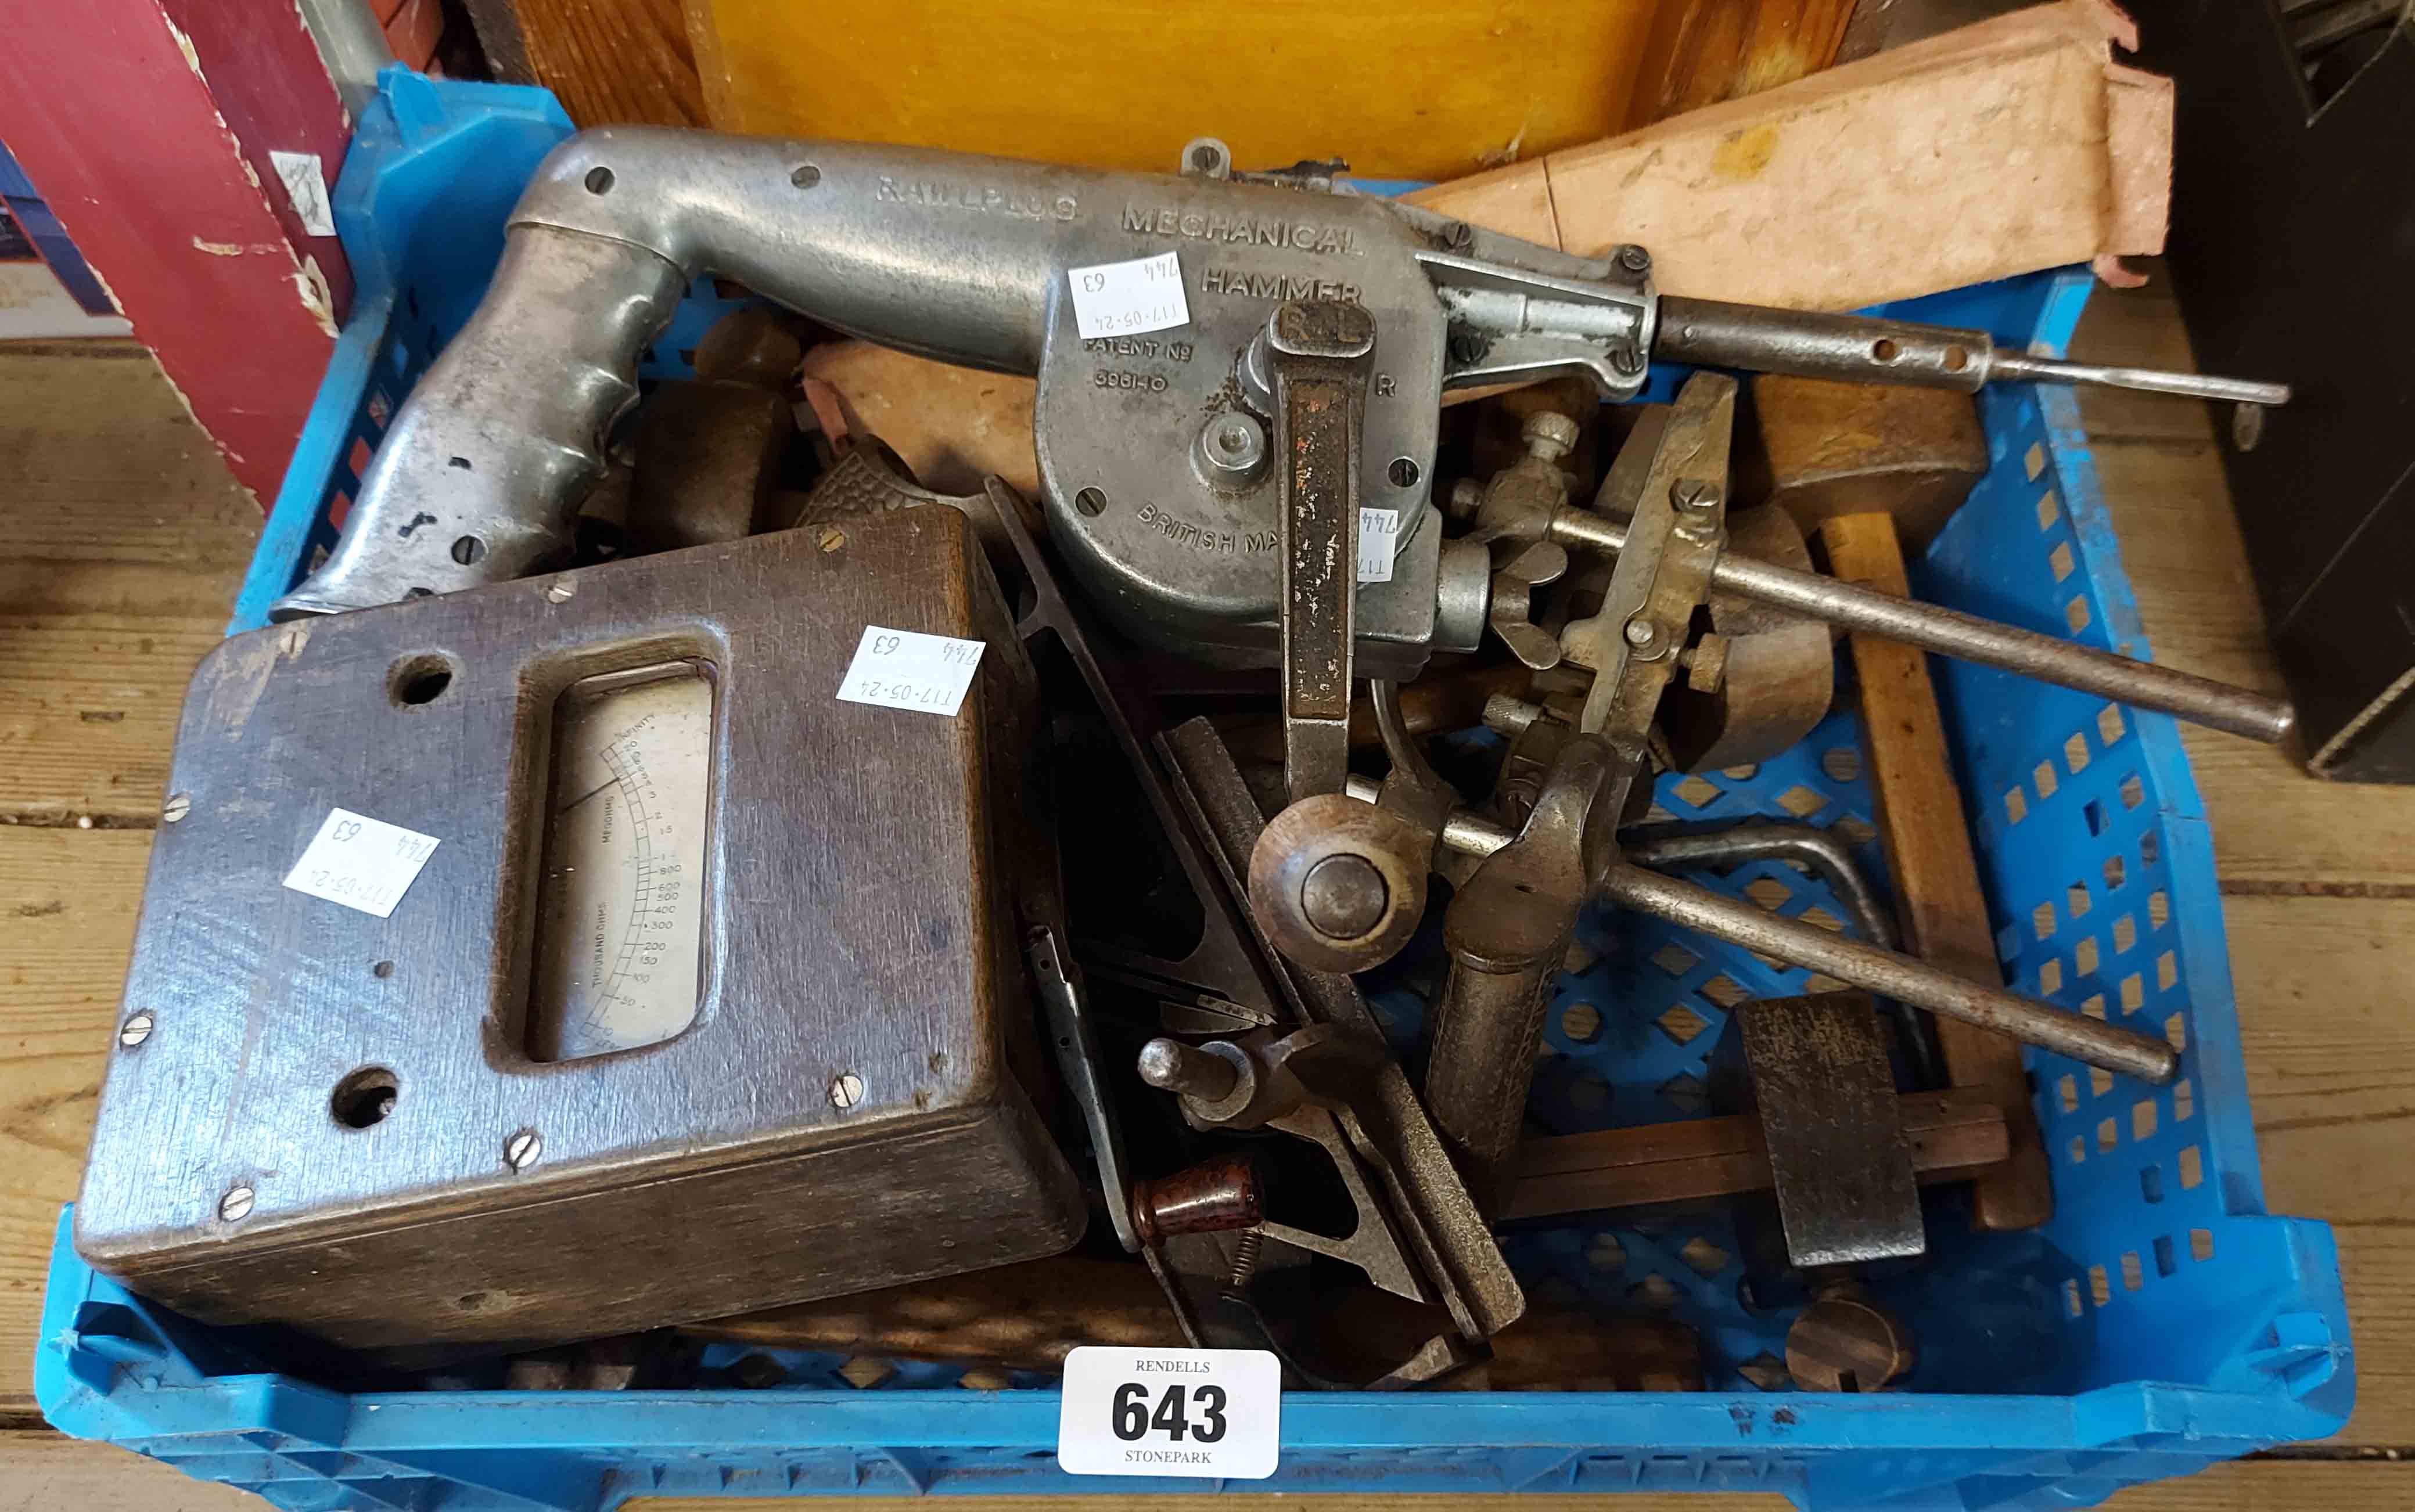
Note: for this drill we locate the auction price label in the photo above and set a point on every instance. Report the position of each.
(361, 862)
(1127, 298)
(908, 669)
(1379, 537)
(1170, 1411)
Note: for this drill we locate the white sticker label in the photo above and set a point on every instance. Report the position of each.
(908, 669)
(1378, 538)
(1124, 298)
(1170, 1411)
(306, 185)
(361, 862)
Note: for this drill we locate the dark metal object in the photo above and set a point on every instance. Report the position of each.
(1337, 884)
(1759, 678)
(1445, 1231)
(545, 1201)
(1952, 633)
(1064, 1003)
(2290, 172)
(1318, 357)
(1715, 334)
(1819, 1083)
(1844, 1342)
(1507, 931)
(1212, 1197)
(1210, 1075)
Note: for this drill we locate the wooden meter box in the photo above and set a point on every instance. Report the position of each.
(709, 997)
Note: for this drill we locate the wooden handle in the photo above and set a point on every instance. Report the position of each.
(1938, 898)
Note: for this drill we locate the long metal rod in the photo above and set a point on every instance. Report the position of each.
(1969, 637)
(1868, 967)
(1885, 972)
(2016, 366)
(1872, 350)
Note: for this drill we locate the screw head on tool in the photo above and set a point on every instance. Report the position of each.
(1634, 259)
(845, 1089)
(521, 1150)
(1642, 634)
(1694, 496)
(1627, 359)
(1343, 897)
(237, 1204)
(135, 1028)
(177, 806)
(1232, 447)
(561, 591)
(1844, 1342)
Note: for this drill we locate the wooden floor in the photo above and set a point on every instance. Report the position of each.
(121, 540)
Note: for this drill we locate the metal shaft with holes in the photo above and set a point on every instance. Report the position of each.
(1969, 637)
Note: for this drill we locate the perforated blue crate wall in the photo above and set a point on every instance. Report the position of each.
(2160, 1322)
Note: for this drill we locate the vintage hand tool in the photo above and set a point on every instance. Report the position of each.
(1200, 540)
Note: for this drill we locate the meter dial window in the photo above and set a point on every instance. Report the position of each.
(619, 948)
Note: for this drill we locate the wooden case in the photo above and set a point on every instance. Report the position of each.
(859, 880)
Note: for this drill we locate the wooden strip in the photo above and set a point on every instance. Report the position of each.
(1462, 82)
(1702, 52)
(1938, 897)
(1953, 1133)
(1876, 180)
(171, 213)
(609, 61)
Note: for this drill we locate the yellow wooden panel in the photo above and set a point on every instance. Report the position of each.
(1423, 91)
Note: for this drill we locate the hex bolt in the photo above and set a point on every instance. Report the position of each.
(1213, 1197)
(1171, 1066)
(521, 1150)
(177, 806)
(1343, 897)
(135, 1028)
(845, 1089)
(237, 1204)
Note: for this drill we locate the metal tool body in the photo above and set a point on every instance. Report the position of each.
(967, 259)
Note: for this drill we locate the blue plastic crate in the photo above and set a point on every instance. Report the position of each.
(2161, 1323)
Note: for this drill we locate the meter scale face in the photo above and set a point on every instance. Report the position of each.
(620, 911)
